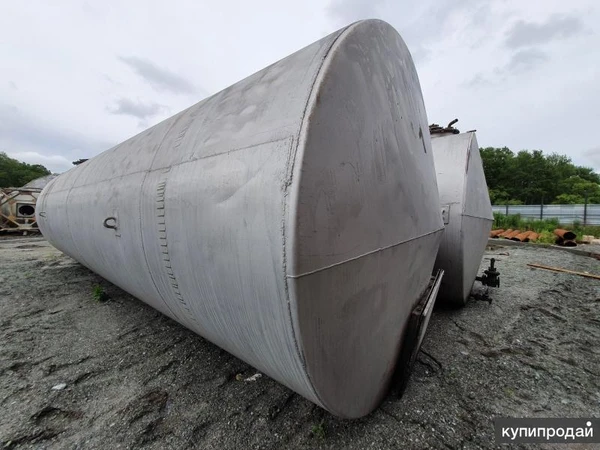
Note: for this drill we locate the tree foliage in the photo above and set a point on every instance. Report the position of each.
(14, 173)
(532, 178)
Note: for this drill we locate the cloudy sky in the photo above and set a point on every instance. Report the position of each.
(81, 76)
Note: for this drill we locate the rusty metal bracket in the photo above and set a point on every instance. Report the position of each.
(434, 128)
(415, 332)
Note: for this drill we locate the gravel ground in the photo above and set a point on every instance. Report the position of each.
(79, 373)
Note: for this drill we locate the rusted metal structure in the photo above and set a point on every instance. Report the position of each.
(466, 211)
(496, 233)
(17, 209)
(512, 234)
(565, 238)
(515, 235)
(18, 206)
(522, 236)
(292, 219)
(565, 234)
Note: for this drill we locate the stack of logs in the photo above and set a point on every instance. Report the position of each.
(564, 238)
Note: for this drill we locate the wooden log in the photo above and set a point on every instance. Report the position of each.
(560, 269)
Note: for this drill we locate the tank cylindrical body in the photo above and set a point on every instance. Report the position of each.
(465, 201)
(291, 219)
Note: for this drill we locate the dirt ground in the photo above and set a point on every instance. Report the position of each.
(76, 372)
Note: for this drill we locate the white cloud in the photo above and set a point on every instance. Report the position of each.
(159, 78)
(524, 74)
(591, 158)
(532, 33)
(138, 109)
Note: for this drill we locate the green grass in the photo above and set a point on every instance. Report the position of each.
(98, 294)
(580, 230)
(545, 227)
(318, 430)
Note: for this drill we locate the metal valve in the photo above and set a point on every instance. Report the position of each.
(491, 277)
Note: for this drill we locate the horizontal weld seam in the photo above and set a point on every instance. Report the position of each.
(363, 255)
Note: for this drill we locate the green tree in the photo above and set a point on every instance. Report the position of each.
(587, 173)
(575, 190)
(568, 199)
(530, 177)
(14, 173)
(496, 161)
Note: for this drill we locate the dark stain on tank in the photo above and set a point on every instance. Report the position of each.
(422, 140)
(468, 159)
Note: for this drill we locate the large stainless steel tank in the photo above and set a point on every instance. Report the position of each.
(292, 219)
(467, 213)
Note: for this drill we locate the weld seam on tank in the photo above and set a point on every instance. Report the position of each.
(300, 142)
(162, 220)
(171, 166)
(463, 197)
(51, 189)
(363, 255)
(79, 253)
(476, 217)
(146, 172)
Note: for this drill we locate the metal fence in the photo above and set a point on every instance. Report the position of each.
(566, 214)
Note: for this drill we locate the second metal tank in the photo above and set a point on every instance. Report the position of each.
(292, 218)
(466, 211)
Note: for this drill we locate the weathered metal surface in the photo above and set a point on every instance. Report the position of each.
(292, 219)
(17, 209)
(462, 186)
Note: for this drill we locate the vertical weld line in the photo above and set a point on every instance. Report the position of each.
(167, 267)
(162, 141)
(288, 184)
(67, 202)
